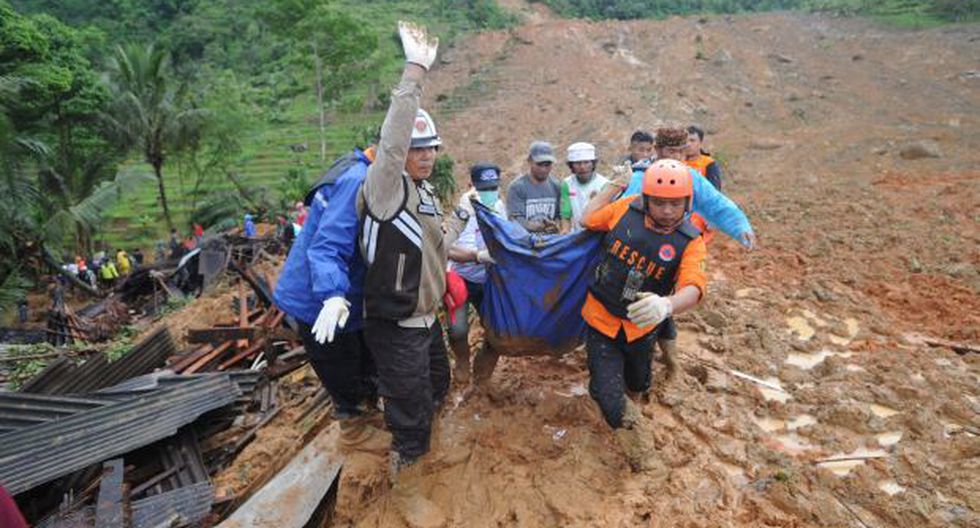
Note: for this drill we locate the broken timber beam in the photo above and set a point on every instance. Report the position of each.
(218, 334)
(109, 511)
(308, 484)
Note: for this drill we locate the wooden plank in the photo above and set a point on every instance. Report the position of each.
(307, 484)
(244, 354)
(217, 335)
(184, 361)
(242, 313)
(109, 508)
(207, 358)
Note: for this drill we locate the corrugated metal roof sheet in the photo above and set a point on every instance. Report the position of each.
(34, 455)
(192, 503)
(97, 372)
(19, 410)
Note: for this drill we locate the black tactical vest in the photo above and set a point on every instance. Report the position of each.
(391, 285)
(637, 259)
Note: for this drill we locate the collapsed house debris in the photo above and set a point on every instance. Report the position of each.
(136, 442)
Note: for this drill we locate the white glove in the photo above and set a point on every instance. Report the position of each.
(650, 310)
(621, 176)
(420, 47)
(483, 257)
(465, 202)
(332, 316)
(747, 239)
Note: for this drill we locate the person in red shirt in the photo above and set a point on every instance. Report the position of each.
(652, 267)
(300, 214)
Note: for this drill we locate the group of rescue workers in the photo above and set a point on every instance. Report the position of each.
(364, 280)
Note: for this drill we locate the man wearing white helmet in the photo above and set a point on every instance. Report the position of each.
(404, 239)
(583, 184)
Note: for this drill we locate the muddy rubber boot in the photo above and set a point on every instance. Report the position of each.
(412, 505)
(360, 435)
(461, 369)
(484, 363)
(637, 444)
(364, 448)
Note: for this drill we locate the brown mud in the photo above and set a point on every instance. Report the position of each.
(860, 249)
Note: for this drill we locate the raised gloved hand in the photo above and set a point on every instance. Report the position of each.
(621, 175)
(747, 239)
(649, 310)
(483, 257)
(332, 316)
(420, 47)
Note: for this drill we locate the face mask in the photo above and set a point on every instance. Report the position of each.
(488, 198)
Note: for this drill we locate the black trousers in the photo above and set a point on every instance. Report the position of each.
(344, 366)
(413, 378)
(614, 366)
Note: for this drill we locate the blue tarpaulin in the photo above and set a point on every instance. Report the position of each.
(534, 293)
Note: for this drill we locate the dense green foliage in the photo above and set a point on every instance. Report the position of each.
(954, 10)
(233, 106)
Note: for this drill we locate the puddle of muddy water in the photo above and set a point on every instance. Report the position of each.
(890, 487)
(771, 425)
(889, 438)
(881, 411)
(774, 395)
(807, 361)
(801, 327)
(814, 318)
(792, 443)
(841, 464)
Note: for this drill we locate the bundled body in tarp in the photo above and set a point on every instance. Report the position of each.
(534, 294)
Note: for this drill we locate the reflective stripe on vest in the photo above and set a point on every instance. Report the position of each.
(391, 284)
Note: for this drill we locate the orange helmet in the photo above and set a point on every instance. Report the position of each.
(667, 178)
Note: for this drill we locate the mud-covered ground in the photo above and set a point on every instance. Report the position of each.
(863, 252)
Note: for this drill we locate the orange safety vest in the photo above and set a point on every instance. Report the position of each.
(700, 164)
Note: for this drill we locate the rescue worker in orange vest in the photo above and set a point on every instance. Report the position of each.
(698, 159)
(652, 267)
(695, 157)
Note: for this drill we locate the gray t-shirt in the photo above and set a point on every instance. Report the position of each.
(531, 202)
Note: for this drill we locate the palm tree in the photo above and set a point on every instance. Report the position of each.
(147, 112)
(36, 222)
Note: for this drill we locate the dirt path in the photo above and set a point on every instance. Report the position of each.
(861, 249)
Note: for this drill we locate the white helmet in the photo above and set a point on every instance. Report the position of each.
(581, 152)
(424, 131)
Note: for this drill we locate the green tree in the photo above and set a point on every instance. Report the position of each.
(339, 48)
(148, 113)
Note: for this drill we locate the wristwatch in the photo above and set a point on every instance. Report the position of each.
(462, 214)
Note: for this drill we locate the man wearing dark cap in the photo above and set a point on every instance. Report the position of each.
(534, 199)
(469, 257)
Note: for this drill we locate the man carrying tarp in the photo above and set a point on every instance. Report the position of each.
(652, 266)
(582, 185)
(405, 248)
(469, 256)
(534, 199)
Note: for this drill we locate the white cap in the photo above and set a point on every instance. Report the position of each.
(581, 152)
(424, 131)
